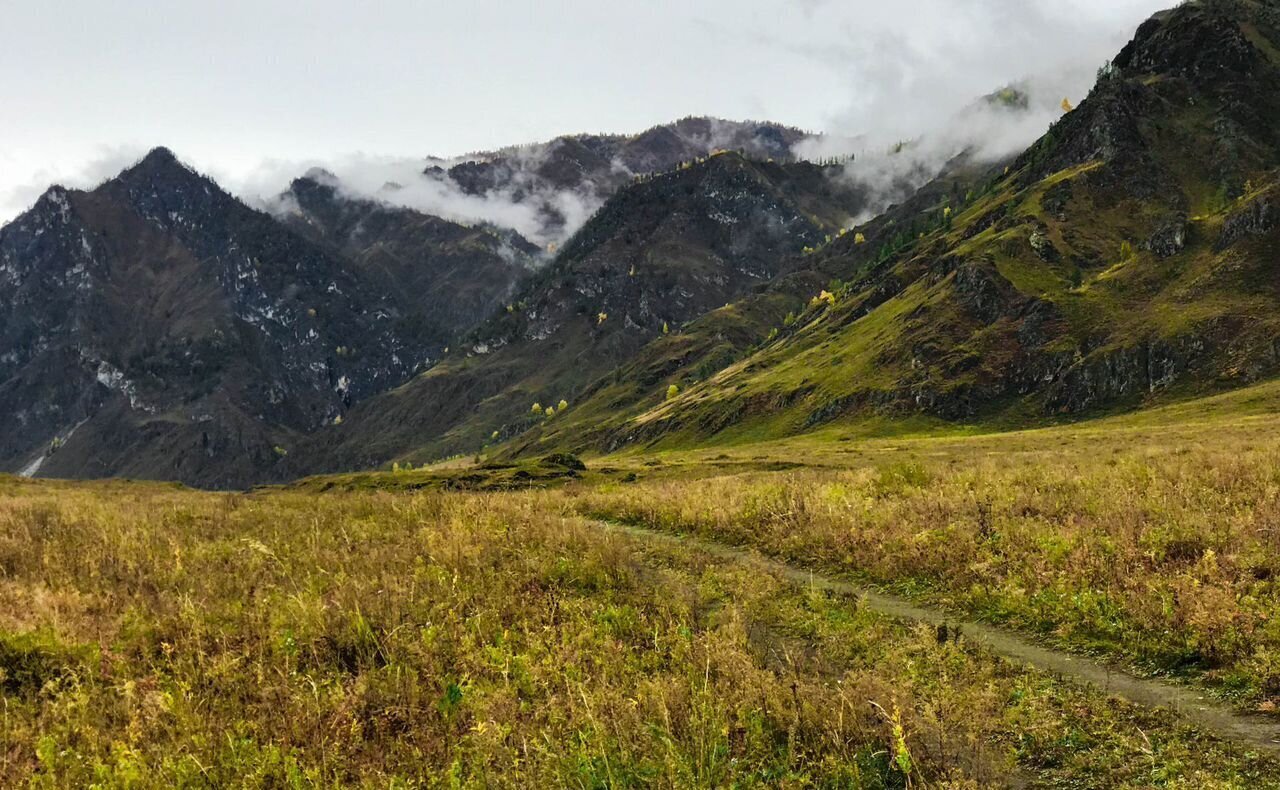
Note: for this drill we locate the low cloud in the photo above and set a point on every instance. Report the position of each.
(992, 129)
(869, 74)
(913, 73)
(544, 191)
(540, 213)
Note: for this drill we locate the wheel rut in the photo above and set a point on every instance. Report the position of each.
(1193, 705)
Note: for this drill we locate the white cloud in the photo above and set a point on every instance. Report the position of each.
(905, 67)
(401, 181)
(246, 82)
(913, 72)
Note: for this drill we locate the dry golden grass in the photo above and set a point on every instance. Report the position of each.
(1161, 544)
(156, 637)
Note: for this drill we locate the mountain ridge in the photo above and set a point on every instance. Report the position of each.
(660, 253)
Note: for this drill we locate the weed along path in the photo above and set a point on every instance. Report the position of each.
(1211, 716)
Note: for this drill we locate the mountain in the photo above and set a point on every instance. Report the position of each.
(718, 292)
(663, 251)
(604, 416)
(158, 327)
(445, 277)
(1129, 256)
(567, 178)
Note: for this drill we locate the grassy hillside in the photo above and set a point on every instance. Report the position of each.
(1126, 259)
(603, 416)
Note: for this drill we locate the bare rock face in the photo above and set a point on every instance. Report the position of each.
(1168, 239)
(1043, 248)
(1255, 218)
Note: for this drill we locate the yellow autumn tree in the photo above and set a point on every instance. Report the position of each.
(1066, 105)
(672, 391)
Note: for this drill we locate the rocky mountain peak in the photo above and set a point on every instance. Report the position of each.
(159, 166)
(163, 189)
(1204, 40)
(54, 203)
(1218, 57)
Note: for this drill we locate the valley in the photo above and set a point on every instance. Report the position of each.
(717, 454)
(394, 624)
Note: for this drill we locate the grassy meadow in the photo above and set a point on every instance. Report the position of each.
(387, 632)
(1154, 537)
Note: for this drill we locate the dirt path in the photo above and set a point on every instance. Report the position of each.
(1214, 717)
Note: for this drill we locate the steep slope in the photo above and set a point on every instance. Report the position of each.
(446, 277)
(602, 418)
(1131, 254)
(157, 327)
(662, 252)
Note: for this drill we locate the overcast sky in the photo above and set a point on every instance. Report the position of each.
(239, 87)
